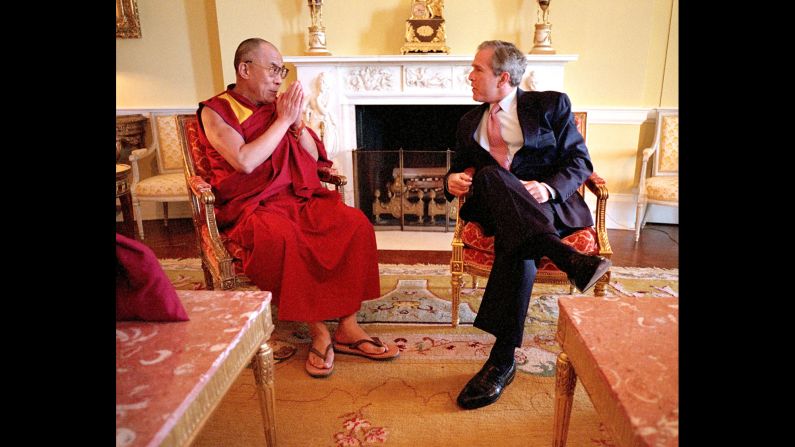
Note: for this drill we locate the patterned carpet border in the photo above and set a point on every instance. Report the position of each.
(444, 269)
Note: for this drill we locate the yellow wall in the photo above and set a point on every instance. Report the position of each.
(628, 52)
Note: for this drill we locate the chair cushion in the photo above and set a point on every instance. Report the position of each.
(162, 185)
(663, 188)
(479, 249)
(143, 291)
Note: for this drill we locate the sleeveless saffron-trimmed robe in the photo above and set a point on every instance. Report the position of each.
(301, 242)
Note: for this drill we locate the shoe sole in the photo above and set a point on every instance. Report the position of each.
(600, 271)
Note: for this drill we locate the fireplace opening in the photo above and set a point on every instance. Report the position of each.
(403, 152)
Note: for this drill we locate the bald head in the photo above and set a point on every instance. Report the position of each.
(249, 47)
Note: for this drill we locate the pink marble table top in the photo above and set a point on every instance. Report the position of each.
(633, 343)
(162, 367)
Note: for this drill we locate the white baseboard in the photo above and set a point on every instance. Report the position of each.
(621, 209)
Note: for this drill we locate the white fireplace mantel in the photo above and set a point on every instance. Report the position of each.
(334, 85)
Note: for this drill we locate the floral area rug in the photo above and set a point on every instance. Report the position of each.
(411, 401)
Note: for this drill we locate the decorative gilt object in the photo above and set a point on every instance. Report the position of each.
(425, 31)
(317, 32)
(127, 23)
(542, 40)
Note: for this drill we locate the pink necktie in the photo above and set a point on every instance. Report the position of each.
(498, 148)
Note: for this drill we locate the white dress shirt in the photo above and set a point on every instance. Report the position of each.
(510, 128)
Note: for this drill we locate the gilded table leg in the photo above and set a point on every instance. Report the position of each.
(565, 381)
(263, 374)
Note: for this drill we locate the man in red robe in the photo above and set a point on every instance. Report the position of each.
(314, 253)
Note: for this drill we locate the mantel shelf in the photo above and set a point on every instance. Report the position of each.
(423, 58)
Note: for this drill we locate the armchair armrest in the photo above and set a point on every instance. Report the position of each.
(337, 180)
(598, 187)
(139, 154)
(203, 201)
(644, 165)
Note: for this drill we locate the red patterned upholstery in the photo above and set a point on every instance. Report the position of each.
(201, 164)
(473, 252)
(479, 249)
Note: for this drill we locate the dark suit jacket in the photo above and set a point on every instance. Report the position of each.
(554, 152)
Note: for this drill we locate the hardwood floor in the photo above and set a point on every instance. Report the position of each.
(658, 245)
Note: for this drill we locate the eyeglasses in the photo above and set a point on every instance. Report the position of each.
(273, 69)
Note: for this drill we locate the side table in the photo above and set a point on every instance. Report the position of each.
(625, 351)
(171, 376)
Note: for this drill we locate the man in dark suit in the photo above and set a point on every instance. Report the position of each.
(519, 160)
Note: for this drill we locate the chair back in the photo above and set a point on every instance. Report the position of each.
(580, 120)
(169, 153)
(666, 158)
(193, 151)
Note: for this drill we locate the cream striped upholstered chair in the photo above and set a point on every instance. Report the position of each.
(662, 186)
(167, 184)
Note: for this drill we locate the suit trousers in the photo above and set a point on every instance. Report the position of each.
(504, 208)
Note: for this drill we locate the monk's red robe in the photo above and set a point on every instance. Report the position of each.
(314, 253)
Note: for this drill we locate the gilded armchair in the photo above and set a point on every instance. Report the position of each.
(662, 185)
(473, 252)
(221, 257)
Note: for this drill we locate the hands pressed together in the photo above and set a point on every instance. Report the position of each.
(290, 104)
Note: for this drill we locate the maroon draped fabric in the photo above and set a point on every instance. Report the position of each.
(314, 253)
(143, 291)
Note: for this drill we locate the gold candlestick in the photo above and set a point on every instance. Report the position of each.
(542, 40)
(317, 32)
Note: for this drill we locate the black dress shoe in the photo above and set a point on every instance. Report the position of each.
(586, 270)
(487, 385)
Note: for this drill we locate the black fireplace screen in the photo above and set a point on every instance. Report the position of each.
(403, 153)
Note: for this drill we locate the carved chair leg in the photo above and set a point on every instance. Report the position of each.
(640, 218)
(565, 381)
(456, 281)
(208, 277)
(138, 218)
(263, 375)
(601, 286)
(165, 214)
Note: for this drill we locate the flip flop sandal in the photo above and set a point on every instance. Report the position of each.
(392, 351)
(314, 371)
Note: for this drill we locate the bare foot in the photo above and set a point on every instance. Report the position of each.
(320, 341)
(349, 331)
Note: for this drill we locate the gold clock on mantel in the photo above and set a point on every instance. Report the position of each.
(425, 28)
